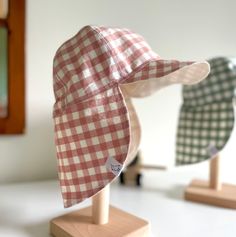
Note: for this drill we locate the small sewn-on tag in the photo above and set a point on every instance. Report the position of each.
(212, 150)
(113, 166)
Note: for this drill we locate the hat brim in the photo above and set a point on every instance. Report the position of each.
(158, 74)
(201, 128)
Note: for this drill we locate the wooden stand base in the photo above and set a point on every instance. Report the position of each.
(200, 191)
(80, 224)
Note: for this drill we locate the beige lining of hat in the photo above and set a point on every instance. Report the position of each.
(187, 75)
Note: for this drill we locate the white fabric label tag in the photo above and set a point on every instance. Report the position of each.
(212, 150)
(114, 166)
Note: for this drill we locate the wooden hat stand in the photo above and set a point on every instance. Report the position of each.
(212, 192)
(99, 220)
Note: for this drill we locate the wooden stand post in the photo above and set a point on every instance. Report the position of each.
(100, 207)
(212, 192)
(215, 182)
(99, 220)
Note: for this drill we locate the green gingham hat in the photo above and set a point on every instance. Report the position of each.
(207, 117)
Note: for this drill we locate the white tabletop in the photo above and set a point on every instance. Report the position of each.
(26, 208)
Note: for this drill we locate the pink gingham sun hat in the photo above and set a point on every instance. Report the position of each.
(96, 127)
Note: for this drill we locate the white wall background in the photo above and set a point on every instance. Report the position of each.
(175, 29)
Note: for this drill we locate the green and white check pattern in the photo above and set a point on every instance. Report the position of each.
(206, 117)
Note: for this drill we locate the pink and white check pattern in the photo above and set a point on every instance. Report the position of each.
(92, 120)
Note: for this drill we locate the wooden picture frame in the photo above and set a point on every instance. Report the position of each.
(14, 122)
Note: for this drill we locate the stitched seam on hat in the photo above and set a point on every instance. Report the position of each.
(59, 81)
(109, 48)
(123, 78)
(110, 84)
(79, 101)
(138, 69)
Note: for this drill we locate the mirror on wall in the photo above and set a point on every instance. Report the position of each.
(12, 35)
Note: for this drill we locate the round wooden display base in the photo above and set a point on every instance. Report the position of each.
(80, 224)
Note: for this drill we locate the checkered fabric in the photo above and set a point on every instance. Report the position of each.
(96, 127)
(207, 117)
